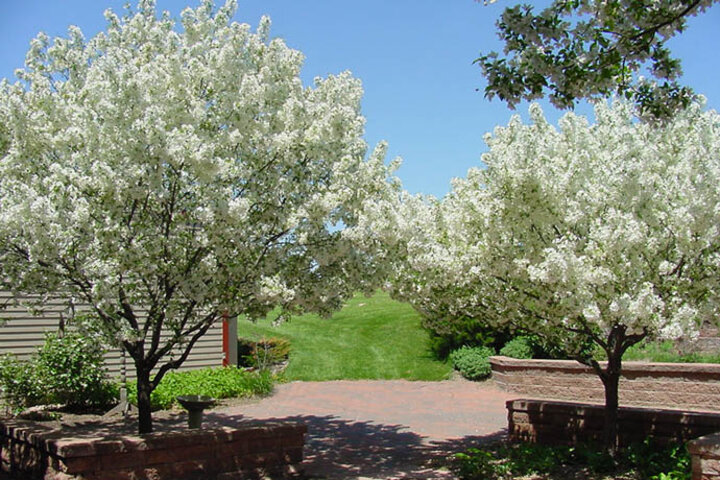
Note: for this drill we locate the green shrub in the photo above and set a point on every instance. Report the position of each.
(66, 369)
(224, 382)
(21, 386)
(263, 353)
(533, 458)
(501, 462)
(473, 363)
(73, 369)
(557, 349)
(518, 347)
(449, 334)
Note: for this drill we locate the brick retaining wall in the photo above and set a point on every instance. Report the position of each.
(686, 386)
(705, 452)
(214, 454)
(553, 422)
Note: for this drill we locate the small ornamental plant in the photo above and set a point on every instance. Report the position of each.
(473, 363)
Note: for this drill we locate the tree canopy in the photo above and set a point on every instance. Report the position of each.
(588, 49)
(599, 235)
(169, 176)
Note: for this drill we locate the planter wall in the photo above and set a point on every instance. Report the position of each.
(551, 422)
(685, 386)
(225, 453)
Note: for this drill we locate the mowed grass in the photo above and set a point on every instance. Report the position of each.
(370, 338)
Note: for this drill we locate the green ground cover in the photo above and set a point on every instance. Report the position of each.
(506, 461)
(370, 338)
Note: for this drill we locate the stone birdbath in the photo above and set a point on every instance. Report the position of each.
(195, 404)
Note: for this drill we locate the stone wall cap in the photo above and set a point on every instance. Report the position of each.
(708, 445)
(549, 406)
(627, 366)
(85, 446)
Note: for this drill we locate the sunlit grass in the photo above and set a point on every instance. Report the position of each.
(371, 338)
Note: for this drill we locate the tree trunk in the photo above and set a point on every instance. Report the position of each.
(611, 381)
(143, 402)
(617, 344)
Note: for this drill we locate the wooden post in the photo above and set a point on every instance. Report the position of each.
(229, 343)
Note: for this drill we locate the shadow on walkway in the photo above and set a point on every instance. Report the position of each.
(340, 449)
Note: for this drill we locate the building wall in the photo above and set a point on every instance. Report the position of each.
(23, 332)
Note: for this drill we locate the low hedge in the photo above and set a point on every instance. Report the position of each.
(223, 382)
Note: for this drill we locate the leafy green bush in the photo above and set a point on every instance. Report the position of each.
(449, 334)
(66, 369)
(518, 347)
(557, 349)
(507, 461)
(21, 385)
(224, 382)
(473, 363)
(533, 458)
(73, 369)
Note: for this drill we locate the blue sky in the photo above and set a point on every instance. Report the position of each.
(413, 56)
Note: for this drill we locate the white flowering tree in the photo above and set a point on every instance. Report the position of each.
(604, 234)
(169, 176)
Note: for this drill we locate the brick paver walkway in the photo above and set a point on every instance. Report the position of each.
(384, 429)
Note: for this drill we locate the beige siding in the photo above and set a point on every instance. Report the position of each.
(23, 332)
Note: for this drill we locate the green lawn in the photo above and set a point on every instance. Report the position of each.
(666, 351)
(370, 338)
